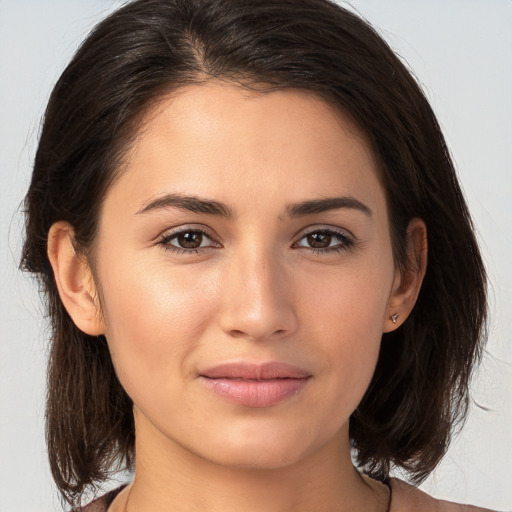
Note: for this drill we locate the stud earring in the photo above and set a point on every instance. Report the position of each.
(394, 318)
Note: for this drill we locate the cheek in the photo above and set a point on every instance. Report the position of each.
(344, 313)
(349, 300)
(154, 319)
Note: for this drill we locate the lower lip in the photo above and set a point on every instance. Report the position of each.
(253, 393)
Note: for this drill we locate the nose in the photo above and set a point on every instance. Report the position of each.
(257, 297)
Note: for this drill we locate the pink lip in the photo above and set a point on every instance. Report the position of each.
(255, 385)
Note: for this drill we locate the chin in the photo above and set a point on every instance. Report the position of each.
(258, 458)
(261, 448)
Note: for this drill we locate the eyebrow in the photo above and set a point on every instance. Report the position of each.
(199, 205)
(189, 203)
(326, 204)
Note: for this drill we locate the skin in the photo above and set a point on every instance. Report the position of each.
(256, 290)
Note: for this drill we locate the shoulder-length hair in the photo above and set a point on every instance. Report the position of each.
(150, 47)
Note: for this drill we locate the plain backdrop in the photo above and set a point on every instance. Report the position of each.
(460, 51)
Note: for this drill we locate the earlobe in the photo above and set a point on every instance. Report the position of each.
(407, 284)
(74, 280)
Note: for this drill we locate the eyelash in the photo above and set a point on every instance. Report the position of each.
(166, 239)
(347, 241)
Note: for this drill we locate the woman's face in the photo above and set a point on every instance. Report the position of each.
(245, 269)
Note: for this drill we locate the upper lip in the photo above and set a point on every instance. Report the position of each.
(255, 371)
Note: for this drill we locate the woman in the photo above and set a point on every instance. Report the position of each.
(250, 232)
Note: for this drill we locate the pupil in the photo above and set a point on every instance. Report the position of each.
(319, 240)
(190, 240)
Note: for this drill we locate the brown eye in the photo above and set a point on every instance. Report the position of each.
(325, 241)
(189, 239)
(319, 240)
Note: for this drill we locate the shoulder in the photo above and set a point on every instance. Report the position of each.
(406, 498)
(102, 503)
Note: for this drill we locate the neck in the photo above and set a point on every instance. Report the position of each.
(169, 477)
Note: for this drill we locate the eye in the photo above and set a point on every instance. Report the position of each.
(187, 240)
(325, 240)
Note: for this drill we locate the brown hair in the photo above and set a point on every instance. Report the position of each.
(145, 49)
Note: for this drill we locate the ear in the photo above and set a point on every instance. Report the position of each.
(74, 280)
(407, 284)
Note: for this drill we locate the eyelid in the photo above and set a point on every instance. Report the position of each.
(347, 239)
(186, 227)
(325, 228)
(171, 233)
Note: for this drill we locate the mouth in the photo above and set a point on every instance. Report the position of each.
(255, 385)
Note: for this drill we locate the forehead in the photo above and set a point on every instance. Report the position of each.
(225, 141)
(205, 107)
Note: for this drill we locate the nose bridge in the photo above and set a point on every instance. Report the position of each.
(258, 269)
(257, 301)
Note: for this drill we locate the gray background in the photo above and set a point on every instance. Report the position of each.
(460, 50)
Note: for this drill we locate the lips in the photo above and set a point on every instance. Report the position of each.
(255, 385)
